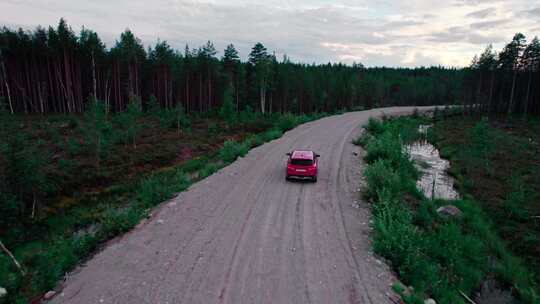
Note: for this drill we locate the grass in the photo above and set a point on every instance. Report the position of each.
(498, 164)
(75, 224)
(439, 257)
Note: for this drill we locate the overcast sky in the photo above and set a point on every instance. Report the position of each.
(373, 32)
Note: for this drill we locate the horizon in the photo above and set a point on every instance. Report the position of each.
(308, 32)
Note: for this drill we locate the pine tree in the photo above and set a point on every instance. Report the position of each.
(260, 60)
(95, 50)
(97, 131)
(231, 63)
(129, 121)
(531, 64)
(486, 63)
(227, 112)
(182, 120)
(510, 60)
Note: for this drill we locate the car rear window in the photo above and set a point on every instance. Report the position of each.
(302, 162)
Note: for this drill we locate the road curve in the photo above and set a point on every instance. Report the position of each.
(245, 235)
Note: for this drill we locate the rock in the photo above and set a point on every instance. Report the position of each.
(449, 211)
(49, 295)
(3, 292)
(430, 301)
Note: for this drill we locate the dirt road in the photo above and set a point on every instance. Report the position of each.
(245, 235)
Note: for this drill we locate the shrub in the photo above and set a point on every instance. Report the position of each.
(286, 122)
(194, 164)
(227, 111)
(439, 257)
(97, 131)
(208, 169)
(231, 150)
(374, 126)
(213, 128)
(271, 135)
(386, 146)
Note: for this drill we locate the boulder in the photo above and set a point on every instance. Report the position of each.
(430, 301)
(449, 211)
(3, 292)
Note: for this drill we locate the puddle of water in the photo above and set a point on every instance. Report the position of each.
(435, 181)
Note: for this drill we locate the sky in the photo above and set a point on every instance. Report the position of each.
(372, 32)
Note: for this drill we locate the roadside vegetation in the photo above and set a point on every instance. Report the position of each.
(497, 162)
(70, 182)
(448, 258)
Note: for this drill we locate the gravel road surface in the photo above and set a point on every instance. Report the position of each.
(245, 235)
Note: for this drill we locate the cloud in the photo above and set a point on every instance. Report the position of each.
(397, 33)
(483, 13)
(490, 24)
(535, 12)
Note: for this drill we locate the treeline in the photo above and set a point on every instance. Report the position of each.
(506, 83)
(54, 70)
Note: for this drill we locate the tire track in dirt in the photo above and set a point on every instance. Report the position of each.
(245, 235)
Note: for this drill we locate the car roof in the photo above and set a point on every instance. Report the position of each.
(302, 154)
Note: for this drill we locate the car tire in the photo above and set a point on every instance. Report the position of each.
(314, 179)
(287, 178)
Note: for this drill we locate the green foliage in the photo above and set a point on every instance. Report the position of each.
(231, 150)
(10, 209)
(363, 139)
(439, 257)
(73, 146)
(129, 121)
(182, 120)
(194, 164)
(482, 142)
(374, 126)
(208, 169)
(516, 200)
(213, 128)
(286, 122)
(271, 135)
(227, 111)
(152, 107)
(97, 130)
(64, 239)
(24, 178)
(386, 146)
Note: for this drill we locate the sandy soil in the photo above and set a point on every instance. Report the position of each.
(245, 235)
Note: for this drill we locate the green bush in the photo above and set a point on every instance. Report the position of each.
(286, 122)
(439, 257)
(195, 164)
(380, 176)
(208, 169)
(231, 150)
(227, 110)
(271, 135)
(374, 126)
(213, 128)
(386, 146)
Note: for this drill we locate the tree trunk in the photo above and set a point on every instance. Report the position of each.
(490, 105)
(528, 95)
(12, 258)
(262, 101)
(8, 91)
(94, 82)
(511, 102)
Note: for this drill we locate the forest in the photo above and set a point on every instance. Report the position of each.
(55, 70)
(507, 82)
(92, 137)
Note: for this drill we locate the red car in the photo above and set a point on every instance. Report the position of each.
(302, 164)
